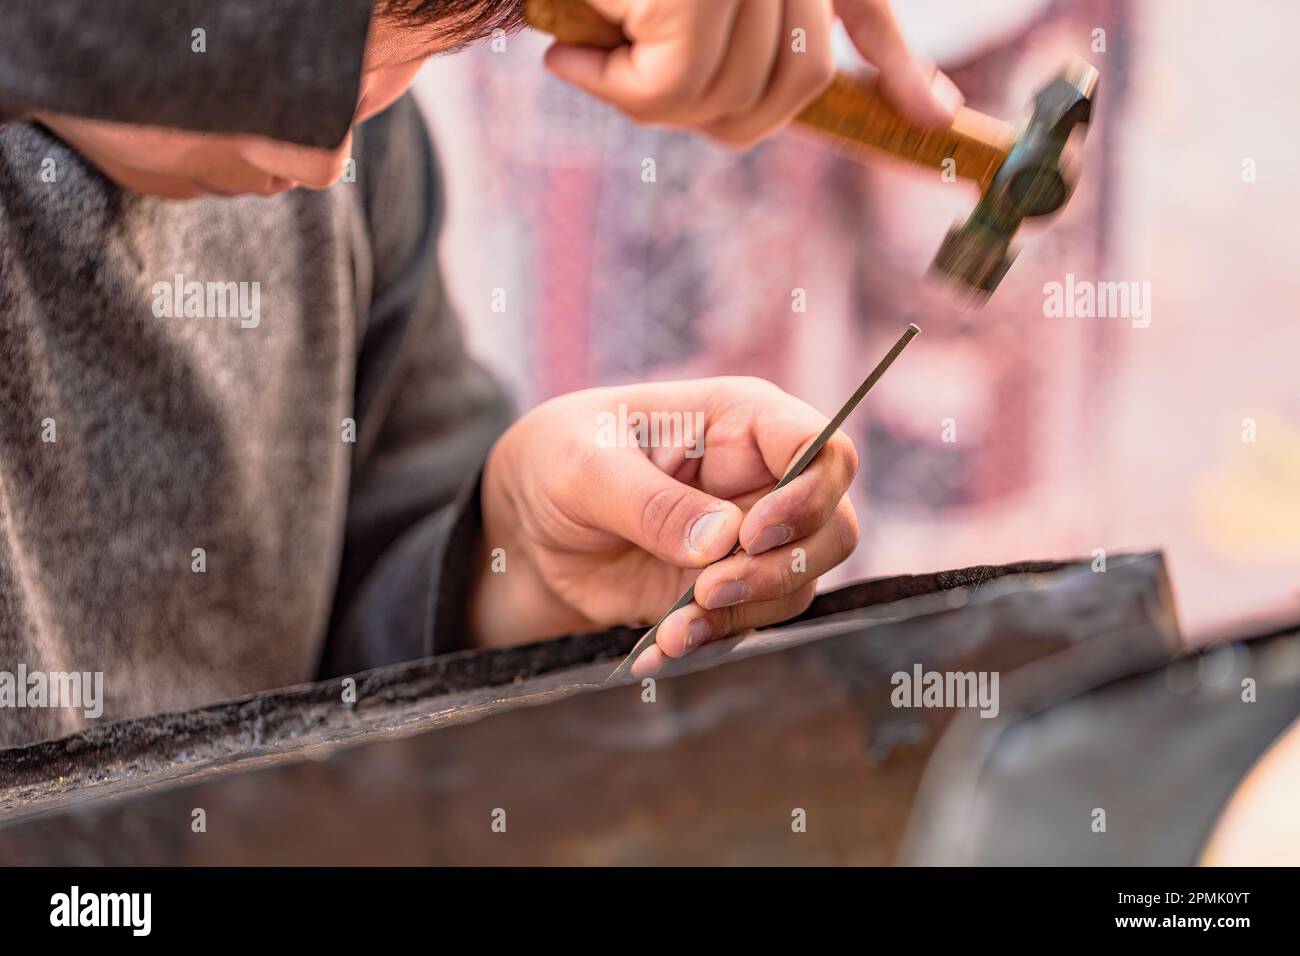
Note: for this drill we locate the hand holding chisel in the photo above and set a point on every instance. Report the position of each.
(648, 640)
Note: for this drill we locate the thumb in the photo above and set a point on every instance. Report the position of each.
(919, 91)
(676, 523)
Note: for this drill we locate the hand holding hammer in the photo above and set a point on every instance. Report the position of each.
(738, 70)
(1021, 172)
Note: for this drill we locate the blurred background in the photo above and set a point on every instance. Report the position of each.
(1071, 434)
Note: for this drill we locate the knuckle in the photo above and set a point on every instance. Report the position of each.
(729, 134)
(815, 67)
(811, 79)
(658, 514)
(743, 100)
(677, 91)
(649, 109)
(822, 71)
(765, 579)
(803, 599)
(806, 503)
(586, 457)
(722, 621)
(670, 99)
(847, 532)
(731, 621)
(734, 139)
(787, 578)
(758, 387)
(843, 448)
(637, 112)
(741, 136)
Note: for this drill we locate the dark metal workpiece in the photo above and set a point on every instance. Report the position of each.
(707, 774)
(1162, 749)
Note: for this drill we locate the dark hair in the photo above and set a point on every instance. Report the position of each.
(461, 20)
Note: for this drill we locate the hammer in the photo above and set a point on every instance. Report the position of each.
(1021, 173)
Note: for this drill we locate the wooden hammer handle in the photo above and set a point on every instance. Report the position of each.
(850, 111)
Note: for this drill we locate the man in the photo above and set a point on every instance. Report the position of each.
(727, 67)
(242, 441)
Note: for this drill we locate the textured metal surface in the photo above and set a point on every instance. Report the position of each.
(796, 717)
(1159, 751)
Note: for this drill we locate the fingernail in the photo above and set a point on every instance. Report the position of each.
(946, 93)
(705, 529)
(770, 538)
(697, 632)
(728, 593)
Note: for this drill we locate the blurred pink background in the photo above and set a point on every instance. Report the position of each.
(1071, 434)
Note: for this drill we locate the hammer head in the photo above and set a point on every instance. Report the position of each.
(1036, 179)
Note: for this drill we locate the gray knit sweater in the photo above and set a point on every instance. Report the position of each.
(184, 503)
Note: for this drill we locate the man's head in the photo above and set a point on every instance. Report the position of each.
(179, 164)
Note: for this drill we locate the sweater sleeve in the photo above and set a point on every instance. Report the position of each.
(426, 415)
(287, 69)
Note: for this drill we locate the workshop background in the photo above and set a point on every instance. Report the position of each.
(1071, 433)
